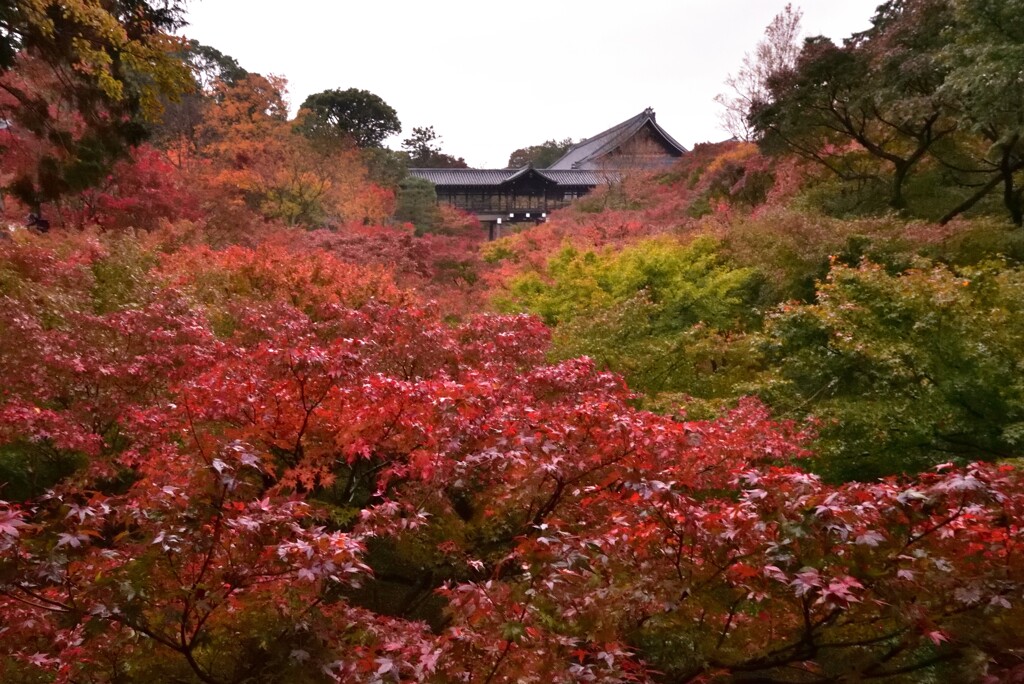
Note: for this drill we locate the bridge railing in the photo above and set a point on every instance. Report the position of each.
(499, 204)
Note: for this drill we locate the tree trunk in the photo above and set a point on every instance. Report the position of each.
(896, 199)
(1012, 199)
(1011, 194)
(970, 201)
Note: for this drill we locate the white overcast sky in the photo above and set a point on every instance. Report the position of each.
(491, 77)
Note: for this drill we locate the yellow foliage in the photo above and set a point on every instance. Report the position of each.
(741, 152)
(96, 35)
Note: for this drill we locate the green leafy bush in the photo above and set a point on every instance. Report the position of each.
(663, 313)
(904, 371)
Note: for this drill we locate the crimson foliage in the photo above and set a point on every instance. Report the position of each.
(310, 480)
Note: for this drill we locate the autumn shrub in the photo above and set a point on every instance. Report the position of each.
(307, 280)
(792, 250)
(738, 175)
(667, 315)
(123, 278)
(689, 280)
(458, 223)
(967, 243)
(141, 193)
(88, 335)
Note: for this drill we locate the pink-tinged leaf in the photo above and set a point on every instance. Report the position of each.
(72, 540)
(870, 538)
(1001, 602)
(42, 660)
(10, 522)
(806, 581)
(840, 591)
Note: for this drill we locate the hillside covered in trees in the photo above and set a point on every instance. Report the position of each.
(269, 414)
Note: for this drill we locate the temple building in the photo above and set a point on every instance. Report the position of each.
(504, 196)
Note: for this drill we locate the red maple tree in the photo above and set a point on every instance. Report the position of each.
(312, 478)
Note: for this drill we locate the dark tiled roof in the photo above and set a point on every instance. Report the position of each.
(572, 177)
(591, 149)
(493, 177)
(528, 170)
(464, 176)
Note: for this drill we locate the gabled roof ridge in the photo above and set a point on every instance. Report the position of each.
(635, 124)
(675, 143)
(614, 128)
(609, 139)
(524, 170)
(613, 132)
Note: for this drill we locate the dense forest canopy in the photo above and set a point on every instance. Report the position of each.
(270, 413)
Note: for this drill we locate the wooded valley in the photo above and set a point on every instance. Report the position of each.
(269, 413)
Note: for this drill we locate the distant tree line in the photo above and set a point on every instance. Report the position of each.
(541, 156)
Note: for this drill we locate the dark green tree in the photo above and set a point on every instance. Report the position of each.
(356, 114)
(417, 204)
(209, 65)
(870, 110)
(424, 150)
(387, 168)
(541, 156)
(904, 371)
(985, 82)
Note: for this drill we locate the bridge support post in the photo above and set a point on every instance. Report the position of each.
(494, 229)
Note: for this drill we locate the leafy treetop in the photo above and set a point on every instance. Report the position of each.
(424, 149)
(355, 114)
(541, 156)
